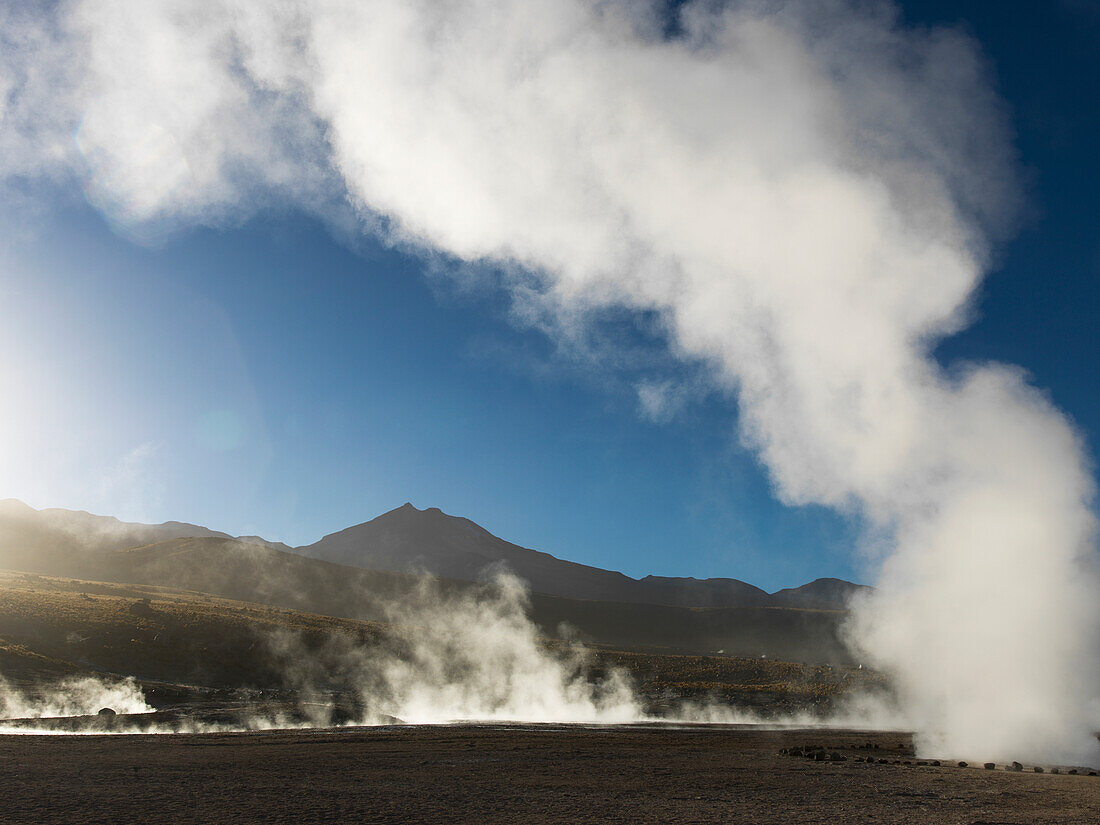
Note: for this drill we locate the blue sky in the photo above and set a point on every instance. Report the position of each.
(266, 378)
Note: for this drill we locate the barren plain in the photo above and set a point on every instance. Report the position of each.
(521, 774)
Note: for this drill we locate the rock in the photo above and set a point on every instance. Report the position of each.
(106, 712)
(1072, 771)
(935, 763)
(963, 765)
(989, 766)
(1016, 766)
(1055, 770)
(1037, 769)
(143, 609)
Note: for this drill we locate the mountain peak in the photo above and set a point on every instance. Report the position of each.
(408, 539)
(411, 510)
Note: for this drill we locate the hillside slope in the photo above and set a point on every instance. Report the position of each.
(598, 606)
(197, 653)
(20, 523)
(404, 540)
(256, 573)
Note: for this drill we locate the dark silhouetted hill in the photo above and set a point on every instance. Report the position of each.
(408, 539)
(257, 573)
(385, 558)
(820, 593)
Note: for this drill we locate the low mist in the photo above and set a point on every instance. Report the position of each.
(84, 696)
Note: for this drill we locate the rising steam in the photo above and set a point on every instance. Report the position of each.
(805, 192)
(472, 655)
(458, 656)
(80, 696)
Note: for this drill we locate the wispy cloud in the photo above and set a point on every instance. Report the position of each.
(134, 485)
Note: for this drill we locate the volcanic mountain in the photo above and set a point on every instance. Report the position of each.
(355, 573)
(408, 540)
(404, 540)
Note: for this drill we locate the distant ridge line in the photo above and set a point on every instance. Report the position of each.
(407, 539)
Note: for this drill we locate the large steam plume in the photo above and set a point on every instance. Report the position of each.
(805, 192)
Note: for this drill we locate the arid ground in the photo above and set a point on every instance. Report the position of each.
(205, 659)
(529, 773)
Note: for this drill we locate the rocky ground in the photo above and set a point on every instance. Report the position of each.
(522, 774)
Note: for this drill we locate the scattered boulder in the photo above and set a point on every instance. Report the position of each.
(1016, 766)
(989, 766)
(1055, 770)
(963, 765)
(1037, 769)
(106, 712)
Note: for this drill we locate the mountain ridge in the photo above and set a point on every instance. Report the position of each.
(258, 574)
(409, 540)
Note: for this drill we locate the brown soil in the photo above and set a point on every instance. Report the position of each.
(545, 774)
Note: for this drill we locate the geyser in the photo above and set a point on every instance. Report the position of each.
(450, 656)
(82, 696)
(805, 192)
